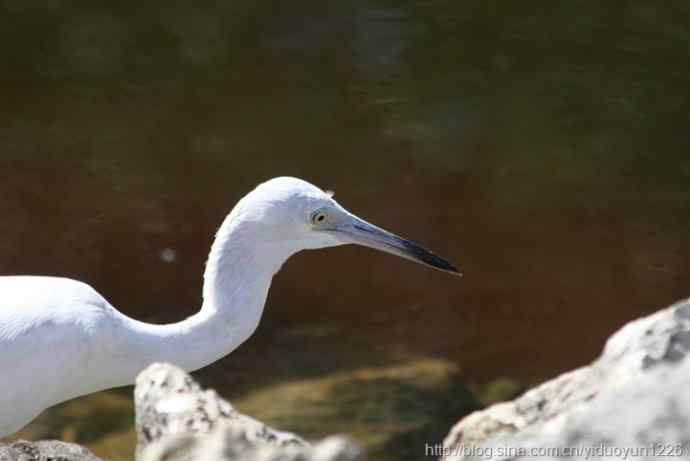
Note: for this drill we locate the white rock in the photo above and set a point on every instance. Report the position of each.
(176, 420)
(634, 402)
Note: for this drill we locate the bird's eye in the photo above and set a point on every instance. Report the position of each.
(319, 217)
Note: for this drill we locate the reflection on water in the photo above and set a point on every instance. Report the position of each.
(543, 149)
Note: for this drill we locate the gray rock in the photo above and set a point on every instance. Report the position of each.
(632, 402)
(178, 421)
(46, 450)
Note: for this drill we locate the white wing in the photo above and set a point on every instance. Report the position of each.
(49, 330)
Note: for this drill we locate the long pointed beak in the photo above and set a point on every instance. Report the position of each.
(360, 232)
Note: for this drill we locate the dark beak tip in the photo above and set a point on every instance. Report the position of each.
(444, 266)
(452, 270)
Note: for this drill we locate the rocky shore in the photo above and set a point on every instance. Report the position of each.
(631, 402)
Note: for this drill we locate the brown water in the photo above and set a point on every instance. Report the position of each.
(542, 147)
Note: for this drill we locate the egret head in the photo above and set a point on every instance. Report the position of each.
(290, 211)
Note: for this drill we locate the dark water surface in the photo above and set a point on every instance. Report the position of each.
(541, 146)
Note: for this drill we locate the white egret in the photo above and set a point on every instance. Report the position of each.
(60, 339)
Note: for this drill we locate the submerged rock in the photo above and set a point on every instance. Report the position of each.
(46, 450)
(177, 420)
(632, 402)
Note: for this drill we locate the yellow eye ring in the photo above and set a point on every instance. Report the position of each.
(319, 217)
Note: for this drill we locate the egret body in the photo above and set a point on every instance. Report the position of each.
(60, 339)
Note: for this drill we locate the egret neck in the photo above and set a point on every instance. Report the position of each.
(237, 278)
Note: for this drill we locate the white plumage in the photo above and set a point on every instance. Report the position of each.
(60, 339)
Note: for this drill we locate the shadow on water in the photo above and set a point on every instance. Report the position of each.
(424, 435)
(542, 147)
